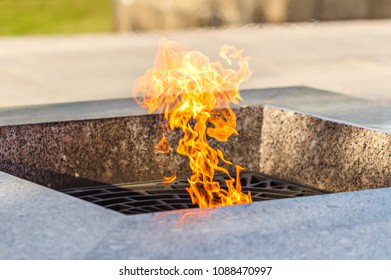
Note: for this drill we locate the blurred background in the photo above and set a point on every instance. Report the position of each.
(20, 17)
(71, 50)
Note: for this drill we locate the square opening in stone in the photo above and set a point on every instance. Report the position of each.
(153, 196)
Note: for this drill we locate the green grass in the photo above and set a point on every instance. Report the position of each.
(24, 17)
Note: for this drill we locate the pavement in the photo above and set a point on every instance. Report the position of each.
(350, 57)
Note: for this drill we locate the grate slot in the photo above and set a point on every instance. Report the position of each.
(147, 197)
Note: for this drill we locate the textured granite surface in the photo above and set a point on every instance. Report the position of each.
(39, 223)
(110, 150)
(325, 154)
(325, 105)
(299, 228)
(305, 135)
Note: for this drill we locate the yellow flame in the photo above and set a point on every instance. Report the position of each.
(194, 95)
(163, 146)
(169, 179)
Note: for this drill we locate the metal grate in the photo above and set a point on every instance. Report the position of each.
(147, 197)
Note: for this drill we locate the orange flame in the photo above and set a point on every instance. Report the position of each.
(194, 94)
(185, 214)
(168, 179)
(163, 146)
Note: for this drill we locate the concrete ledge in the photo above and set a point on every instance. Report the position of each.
(308, 136)
(331, 156)
(352, 225)
(39, 223)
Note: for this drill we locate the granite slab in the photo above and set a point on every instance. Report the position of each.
(39, 223)
(354, 225)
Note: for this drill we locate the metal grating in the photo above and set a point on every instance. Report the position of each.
(147, 197)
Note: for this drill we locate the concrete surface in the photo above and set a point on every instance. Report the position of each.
(39, 223)
(348, 57)
(303, 228)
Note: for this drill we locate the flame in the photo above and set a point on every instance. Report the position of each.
(185, 214)
(194, 95)
(168, 179)
(163, 146)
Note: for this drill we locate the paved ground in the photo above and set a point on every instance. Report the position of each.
(348, 57)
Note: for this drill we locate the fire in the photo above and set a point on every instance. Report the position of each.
(163, 146)
(194, 95)
(169, 179)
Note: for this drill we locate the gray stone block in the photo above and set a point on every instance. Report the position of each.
(345, 226)
(39, 223)
(331, 156)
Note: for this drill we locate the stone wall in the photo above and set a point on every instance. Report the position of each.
(145, 15)
(298, 134)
